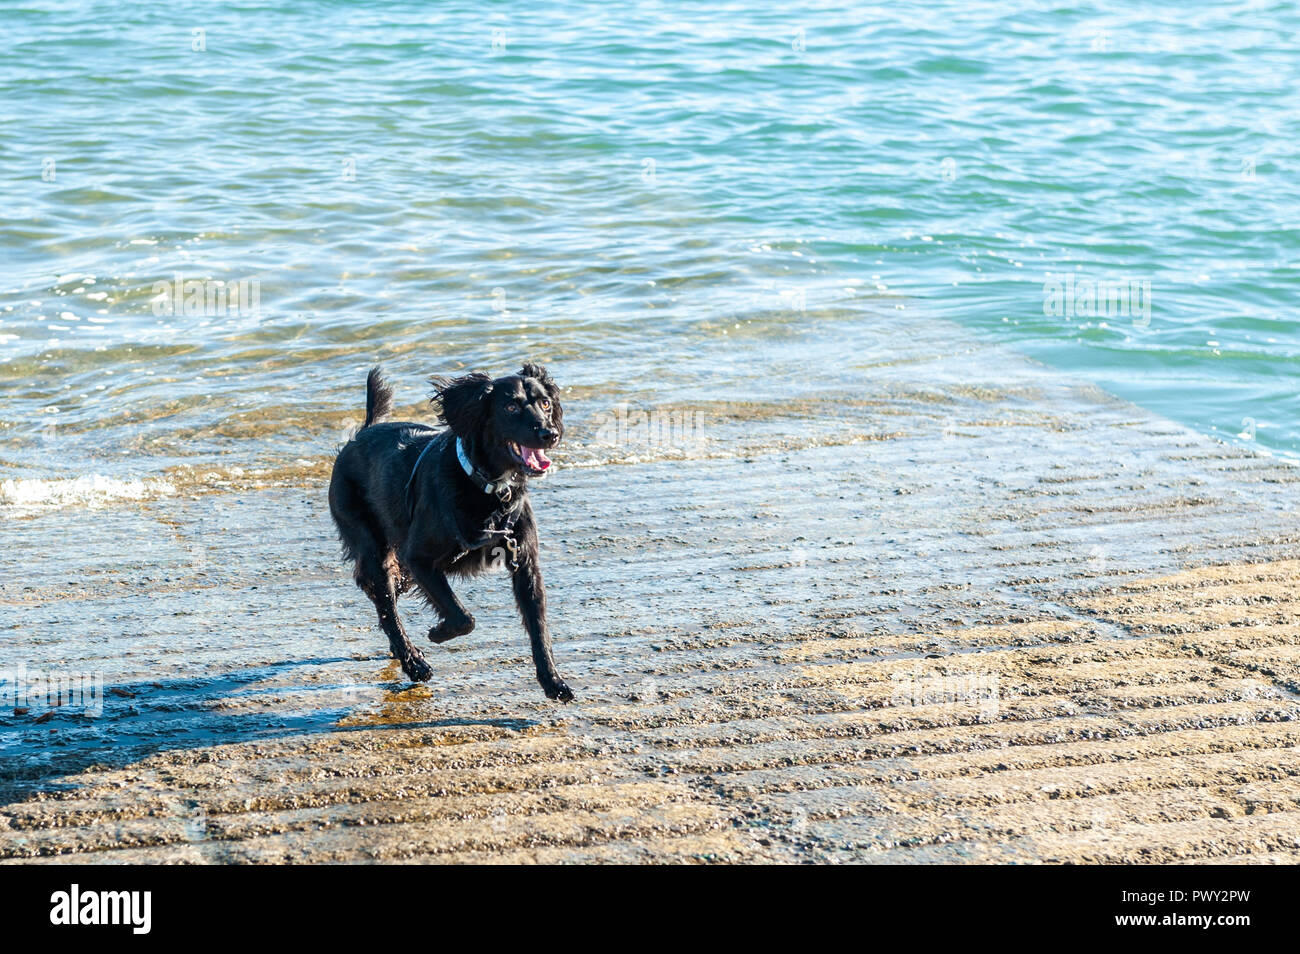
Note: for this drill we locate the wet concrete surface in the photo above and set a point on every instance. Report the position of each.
(951, 622)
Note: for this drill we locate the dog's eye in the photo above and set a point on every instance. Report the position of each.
(545, 405)
(512, 408)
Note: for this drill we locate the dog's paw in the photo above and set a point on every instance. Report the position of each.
(450, 630)
(417, 668)
(558, 689)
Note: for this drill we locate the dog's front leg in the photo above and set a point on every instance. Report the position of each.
(530, 597)
(456, 620)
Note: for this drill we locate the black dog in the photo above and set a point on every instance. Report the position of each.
(413, 504)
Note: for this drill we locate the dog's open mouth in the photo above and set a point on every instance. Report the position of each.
(533, 459)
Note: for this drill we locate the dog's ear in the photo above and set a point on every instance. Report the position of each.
(531, 370)
(462, 402)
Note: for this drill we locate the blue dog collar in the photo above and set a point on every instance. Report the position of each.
(487, 486)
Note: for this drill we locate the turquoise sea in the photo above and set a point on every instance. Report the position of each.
(653, 198)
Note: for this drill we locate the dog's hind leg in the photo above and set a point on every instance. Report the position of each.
(379, 578)
(380, 585)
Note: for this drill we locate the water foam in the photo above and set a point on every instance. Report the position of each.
(91, 489)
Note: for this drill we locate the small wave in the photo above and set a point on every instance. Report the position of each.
(90, 489)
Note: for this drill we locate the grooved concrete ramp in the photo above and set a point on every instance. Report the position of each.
(1016, 624)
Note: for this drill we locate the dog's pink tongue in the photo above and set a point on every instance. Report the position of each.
(535, 459)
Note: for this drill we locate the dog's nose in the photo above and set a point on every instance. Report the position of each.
(547, 434)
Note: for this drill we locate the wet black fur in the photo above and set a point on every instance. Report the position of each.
(397, 534)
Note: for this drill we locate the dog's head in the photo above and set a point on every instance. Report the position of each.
(512, 421)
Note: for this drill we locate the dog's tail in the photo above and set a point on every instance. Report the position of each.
(379, 398)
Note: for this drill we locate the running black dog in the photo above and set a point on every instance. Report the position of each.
(413, 504)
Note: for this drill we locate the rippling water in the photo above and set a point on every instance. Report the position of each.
(663, 203)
